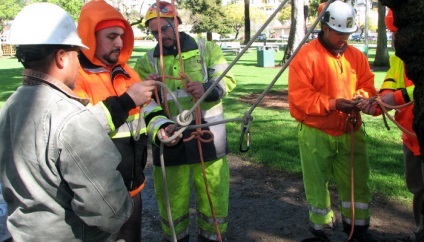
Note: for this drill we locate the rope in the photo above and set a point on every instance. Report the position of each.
(197, 134)
(141, 123)
(352, 121)
(247, 119)
(284, 67)
(385, 113)
(165, 186)
(237, 58)
(166, 193)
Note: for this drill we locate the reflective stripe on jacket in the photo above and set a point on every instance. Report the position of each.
(212, 63)
(396, 81)
(104, 84)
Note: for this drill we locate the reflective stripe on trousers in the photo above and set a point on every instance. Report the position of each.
(178, 178)
(324, 157)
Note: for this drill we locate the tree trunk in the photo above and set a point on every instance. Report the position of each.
(409, 45)
(246, 21)
(297, 29)
(382, 54)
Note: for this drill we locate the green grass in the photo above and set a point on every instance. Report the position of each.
(10, 77)
(273, 132)
(274, 136)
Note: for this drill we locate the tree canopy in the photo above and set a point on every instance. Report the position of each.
(207, 16)
(8, 10)
(235, 15)
(73, 7)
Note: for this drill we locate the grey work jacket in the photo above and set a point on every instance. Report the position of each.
(58, 166)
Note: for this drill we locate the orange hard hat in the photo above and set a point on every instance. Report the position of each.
(320, 7)
(166, 10)
(390, 21)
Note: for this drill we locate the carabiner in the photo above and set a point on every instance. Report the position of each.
(245, 129)
(247, 140)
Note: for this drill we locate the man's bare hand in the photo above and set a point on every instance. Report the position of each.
(344, 105)
(368, 106)
(168, 132)
(389, 99)
(153, 76)
(141, 92)
(196, 89)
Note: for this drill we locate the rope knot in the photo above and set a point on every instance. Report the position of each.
(198, 134)
(185, 118)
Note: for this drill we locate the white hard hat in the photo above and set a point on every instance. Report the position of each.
(340, 16)
(44, 24)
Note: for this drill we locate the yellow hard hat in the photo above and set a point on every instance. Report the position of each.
(166, 10)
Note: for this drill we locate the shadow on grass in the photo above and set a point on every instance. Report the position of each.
(10, 80)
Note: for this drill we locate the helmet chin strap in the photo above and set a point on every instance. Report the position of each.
(174, 31)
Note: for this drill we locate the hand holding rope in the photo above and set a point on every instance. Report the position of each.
(247, 119)
(369, 107)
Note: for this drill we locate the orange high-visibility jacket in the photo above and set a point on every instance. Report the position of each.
(317, 78)
(396, 81)
(106, 87)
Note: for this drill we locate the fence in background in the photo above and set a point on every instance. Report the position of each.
(8, 50)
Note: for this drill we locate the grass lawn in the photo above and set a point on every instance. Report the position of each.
(273, 132)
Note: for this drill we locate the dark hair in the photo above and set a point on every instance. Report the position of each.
(30, 53)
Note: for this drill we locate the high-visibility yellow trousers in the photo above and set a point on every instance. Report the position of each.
(324, 158)
(179, 189)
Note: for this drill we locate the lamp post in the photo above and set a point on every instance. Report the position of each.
(366, 23)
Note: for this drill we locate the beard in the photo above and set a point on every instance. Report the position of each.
(112, 57)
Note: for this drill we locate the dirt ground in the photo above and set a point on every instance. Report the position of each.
(269, 205)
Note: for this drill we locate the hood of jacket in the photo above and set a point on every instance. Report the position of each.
(94, 12)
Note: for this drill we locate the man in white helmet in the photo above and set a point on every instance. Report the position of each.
(57, 165)
(325, 78)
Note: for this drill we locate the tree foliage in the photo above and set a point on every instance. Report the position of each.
(73, 7)
(207, 16)
(235, 15)
(127, 8)
(285, 14)
(8, 10)
(257, 18)
(313, 7)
